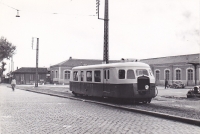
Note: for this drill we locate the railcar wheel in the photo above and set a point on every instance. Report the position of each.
(74, 93)
(149, 101)
(133, 101)
(144, 102)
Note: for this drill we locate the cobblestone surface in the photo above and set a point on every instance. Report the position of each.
(27, 112)
(169, 101)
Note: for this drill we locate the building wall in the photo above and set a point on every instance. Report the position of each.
(172, 73)
(27, 78)
(59, 77)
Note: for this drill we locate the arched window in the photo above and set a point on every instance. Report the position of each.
(56, 75)
(178, 74)
(67, 75)
(167, 74)
(52, 74)
(190, 74)
(157, 74)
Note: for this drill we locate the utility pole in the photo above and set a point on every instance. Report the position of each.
(106, 33)
(36, 72)
(37, 51)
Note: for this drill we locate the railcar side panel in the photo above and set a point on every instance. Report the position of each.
(98, 89)
(115, 81)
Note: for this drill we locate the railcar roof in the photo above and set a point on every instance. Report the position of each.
(111, 65)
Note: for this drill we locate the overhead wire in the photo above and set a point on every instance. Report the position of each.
(9, 6)
(54, 13)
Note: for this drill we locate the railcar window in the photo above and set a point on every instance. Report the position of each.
(150, 72)
(142, 72)
(130, 74)
(104, 74)
(75, 75)
(108, 74)
(82, 75)
(97, 76)
(121, 74)
(89, 75)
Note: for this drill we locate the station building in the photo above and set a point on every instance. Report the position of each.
(60, 73)
(173, 68)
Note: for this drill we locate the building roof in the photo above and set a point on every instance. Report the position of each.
(30, 70)
(173, 59)
(80, 62)
(189, 58)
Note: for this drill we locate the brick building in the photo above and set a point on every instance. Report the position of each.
(26, 75)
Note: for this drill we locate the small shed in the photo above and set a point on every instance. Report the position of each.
(27, 75)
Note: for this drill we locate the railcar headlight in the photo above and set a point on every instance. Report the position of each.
(147, 87)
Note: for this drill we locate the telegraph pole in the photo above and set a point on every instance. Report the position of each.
(36, 72)
(106, 33)
(37, 51)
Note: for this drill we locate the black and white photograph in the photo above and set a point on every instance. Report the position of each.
(100, 67)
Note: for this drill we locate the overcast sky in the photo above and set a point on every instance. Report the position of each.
(137, 29)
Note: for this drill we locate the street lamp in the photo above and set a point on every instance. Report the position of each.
(17, 13)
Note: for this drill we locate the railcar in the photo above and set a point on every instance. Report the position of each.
(123, 80)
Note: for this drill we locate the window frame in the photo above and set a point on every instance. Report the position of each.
(31, 77)
(119, 73)
(75, 75)
(99, 77)
(56, 73)
(89, 79)
(157, 72)
(190, 74)
(167, 74)
(66, 74)
(134, 77)
(178, 74)
(142, 72)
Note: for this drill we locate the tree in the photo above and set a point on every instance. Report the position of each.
(2, 68)
(7, 50)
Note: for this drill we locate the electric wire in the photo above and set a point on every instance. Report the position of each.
(53, 13)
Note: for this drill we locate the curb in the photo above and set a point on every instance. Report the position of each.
(151, 113)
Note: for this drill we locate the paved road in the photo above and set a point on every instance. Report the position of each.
(27, 112)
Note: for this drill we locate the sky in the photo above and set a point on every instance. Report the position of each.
(138, 29)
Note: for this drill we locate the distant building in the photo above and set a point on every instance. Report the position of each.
(60, 73)
(26, 75)
(172, 68)
(175, 68)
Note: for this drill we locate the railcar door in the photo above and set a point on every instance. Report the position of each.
(106, 82)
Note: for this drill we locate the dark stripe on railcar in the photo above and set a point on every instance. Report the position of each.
(111, 90)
